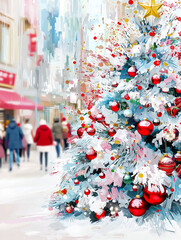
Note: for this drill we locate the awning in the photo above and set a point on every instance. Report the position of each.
(12, 100)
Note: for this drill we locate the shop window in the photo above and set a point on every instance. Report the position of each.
(5, 43)
(2, 117)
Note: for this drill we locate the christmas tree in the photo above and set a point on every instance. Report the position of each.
(126, 154)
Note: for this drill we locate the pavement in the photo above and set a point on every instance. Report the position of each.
(24, 196)
(24, 213)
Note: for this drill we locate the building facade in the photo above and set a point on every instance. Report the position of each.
(19, 58)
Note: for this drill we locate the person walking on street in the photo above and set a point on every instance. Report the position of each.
(28, 133)
(66, 132)
(2, 154)
(44, 141)
(4, 141)
(57, 135)
(23, 150)
(13, 138)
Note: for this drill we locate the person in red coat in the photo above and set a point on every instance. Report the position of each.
(44, 141)
(66, 132)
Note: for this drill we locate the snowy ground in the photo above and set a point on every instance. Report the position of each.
(24, 215)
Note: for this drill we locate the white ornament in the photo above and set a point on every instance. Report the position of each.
(128, 113)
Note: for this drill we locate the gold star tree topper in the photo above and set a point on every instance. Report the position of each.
(151, 9)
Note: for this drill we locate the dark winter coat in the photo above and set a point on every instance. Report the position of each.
(43, 136)
(14, 136)
(57, 130)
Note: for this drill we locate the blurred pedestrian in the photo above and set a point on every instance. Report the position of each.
(28, 133)
(44, 141)
(66, 132)
(13, 139)
(2, 154)
(23, 150)
(4, 141)
(57, 135)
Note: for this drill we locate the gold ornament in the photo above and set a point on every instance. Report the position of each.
(140, 175)
(60, 192)
(151, 9)
(100, 155)
(116, 156)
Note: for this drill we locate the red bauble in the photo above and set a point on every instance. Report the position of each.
(178, 170)
(127, 97)
(109, 197)
(165, 90)
(100, 118)
(103, 75)
(76, 182)
(102, 175)
(159, 114)
(177, 102)
(115, 106)
(102, 215)
(156, 79)
(147, 105)
(114, 84)
(157, 62)
(91, 154)
(69, 209)
(172, 134)
(166, 164)
(172, 47)
(152, 33)
(145, 127)
(111, 132)
(176, 132)
(178, 90)
(132, 71)
(130, 2)
(64, 191)
(80, 131)
(93, 117)
(114, 214)
(173, 111)
(138, 206)
(87, 192)
(153, 195)
(177, 156)
(156, 122)
(135, 188)
(91, 131)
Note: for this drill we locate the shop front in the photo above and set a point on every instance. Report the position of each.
(13, 104)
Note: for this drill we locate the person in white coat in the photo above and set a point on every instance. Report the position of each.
(28, 133)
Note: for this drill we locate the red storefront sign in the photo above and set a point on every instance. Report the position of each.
(7, 79)
(32, 44)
